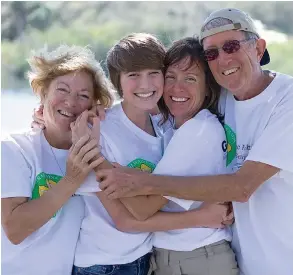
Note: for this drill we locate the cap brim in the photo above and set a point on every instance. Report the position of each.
(265, 58)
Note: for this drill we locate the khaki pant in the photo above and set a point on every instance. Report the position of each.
(213, 259)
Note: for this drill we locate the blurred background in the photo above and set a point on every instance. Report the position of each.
(27, 26)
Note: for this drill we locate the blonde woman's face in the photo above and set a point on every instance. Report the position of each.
(66, 98)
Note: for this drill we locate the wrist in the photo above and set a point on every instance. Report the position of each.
(145, 182)
(73, 182)
(199, 217)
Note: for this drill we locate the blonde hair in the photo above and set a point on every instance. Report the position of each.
(46, 66)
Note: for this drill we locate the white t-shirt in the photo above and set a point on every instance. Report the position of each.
(263, 231)
(100, 242)
(28, 166)
(194, 150)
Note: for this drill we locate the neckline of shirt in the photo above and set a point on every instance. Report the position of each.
(139, 132)
(57, 152)
(266, 95)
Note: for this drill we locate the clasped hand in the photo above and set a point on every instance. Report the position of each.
(84, 154)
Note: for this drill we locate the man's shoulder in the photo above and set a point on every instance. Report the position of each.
(282, 77)
(282, 89)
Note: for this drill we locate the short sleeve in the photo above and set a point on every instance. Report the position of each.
(16, 172)
(194, 150)
(91, 185)
(275, 144)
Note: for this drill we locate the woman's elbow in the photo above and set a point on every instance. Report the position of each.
(13, 235)
(126, 225)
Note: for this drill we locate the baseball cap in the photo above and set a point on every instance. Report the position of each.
(241, 21)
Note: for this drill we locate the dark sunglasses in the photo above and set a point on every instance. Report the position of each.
(231, 46)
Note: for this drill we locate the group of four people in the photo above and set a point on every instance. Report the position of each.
(225, 125)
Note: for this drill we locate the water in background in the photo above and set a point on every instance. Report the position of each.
(16, 110)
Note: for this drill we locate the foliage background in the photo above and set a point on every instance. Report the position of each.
(30, 25)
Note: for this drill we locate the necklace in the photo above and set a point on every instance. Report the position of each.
(62, 173)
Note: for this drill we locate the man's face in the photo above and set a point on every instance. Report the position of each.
(237, 70)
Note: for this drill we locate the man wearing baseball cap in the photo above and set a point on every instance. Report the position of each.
(258, 111)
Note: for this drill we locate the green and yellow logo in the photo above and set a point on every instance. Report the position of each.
(143, 165)
(230, 144)
(43, 183)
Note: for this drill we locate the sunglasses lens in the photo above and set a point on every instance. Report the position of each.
(231, 46)
(211, 54)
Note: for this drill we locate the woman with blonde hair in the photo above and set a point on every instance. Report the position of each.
(41, 170)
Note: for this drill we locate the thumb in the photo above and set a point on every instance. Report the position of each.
(39, 109)
(100, 110)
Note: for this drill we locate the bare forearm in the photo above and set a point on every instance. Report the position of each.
(28, 217)
(233, 187)
(218, 188)
(143, 207)
(163, 221)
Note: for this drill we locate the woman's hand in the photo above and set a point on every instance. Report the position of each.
(214, 214)
(81, 127)
(99, 110)
(84, 156)
(38, 120)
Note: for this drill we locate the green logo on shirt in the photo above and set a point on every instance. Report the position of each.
(143, 165)
(230, 145)
(43, 183)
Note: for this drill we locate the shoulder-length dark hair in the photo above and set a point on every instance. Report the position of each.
(190, 47)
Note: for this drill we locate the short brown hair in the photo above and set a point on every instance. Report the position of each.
(135, 52)
(190, 47)
(46, 66)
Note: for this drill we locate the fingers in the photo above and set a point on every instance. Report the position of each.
(91, 144)
(90, 155)
(38, 112)
(230, 222)
(229, 217)
(96, 162)
(40, 109)
(94, 109)
(35, 125)
(38, 121)
(96, 128)
(113, 196)
(84, 118)
(91, 115)
(100, 111)
(75, 148)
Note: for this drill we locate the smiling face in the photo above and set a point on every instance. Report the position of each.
(185, 89)
(234, 71)
(65, 99)
(142, 89)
